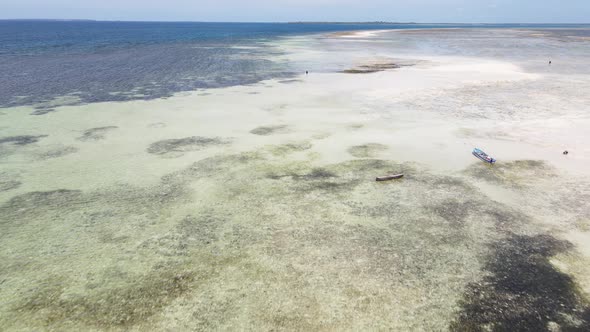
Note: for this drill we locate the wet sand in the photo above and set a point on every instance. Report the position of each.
(256, 207)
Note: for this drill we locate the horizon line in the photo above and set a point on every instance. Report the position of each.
(282, 22)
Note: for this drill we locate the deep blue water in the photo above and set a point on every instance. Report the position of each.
(110, 61)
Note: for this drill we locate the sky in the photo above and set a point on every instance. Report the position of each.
(422, 11)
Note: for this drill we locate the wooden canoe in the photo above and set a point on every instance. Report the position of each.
(390, 177)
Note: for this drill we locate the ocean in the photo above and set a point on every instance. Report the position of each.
(136, 195)
(54, 63)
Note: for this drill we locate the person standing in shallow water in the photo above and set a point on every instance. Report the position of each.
(550, 62)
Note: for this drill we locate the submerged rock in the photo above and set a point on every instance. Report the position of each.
(523, 291)
(57, 152)
(289, 148)
(186, 144)
(6, 185)
(518, 173)
(269, 130)
(21, 140)
(369, 150)
(95, 134)
(375, 67)
(43, 110)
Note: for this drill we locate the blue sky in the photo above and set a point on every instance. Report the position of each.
(468, 11)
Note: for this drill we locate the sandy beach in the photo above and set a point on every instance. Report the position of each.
(256, 207)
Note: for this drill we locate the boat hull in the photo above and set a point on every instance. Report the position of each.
(483, 156)
(390, 177)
